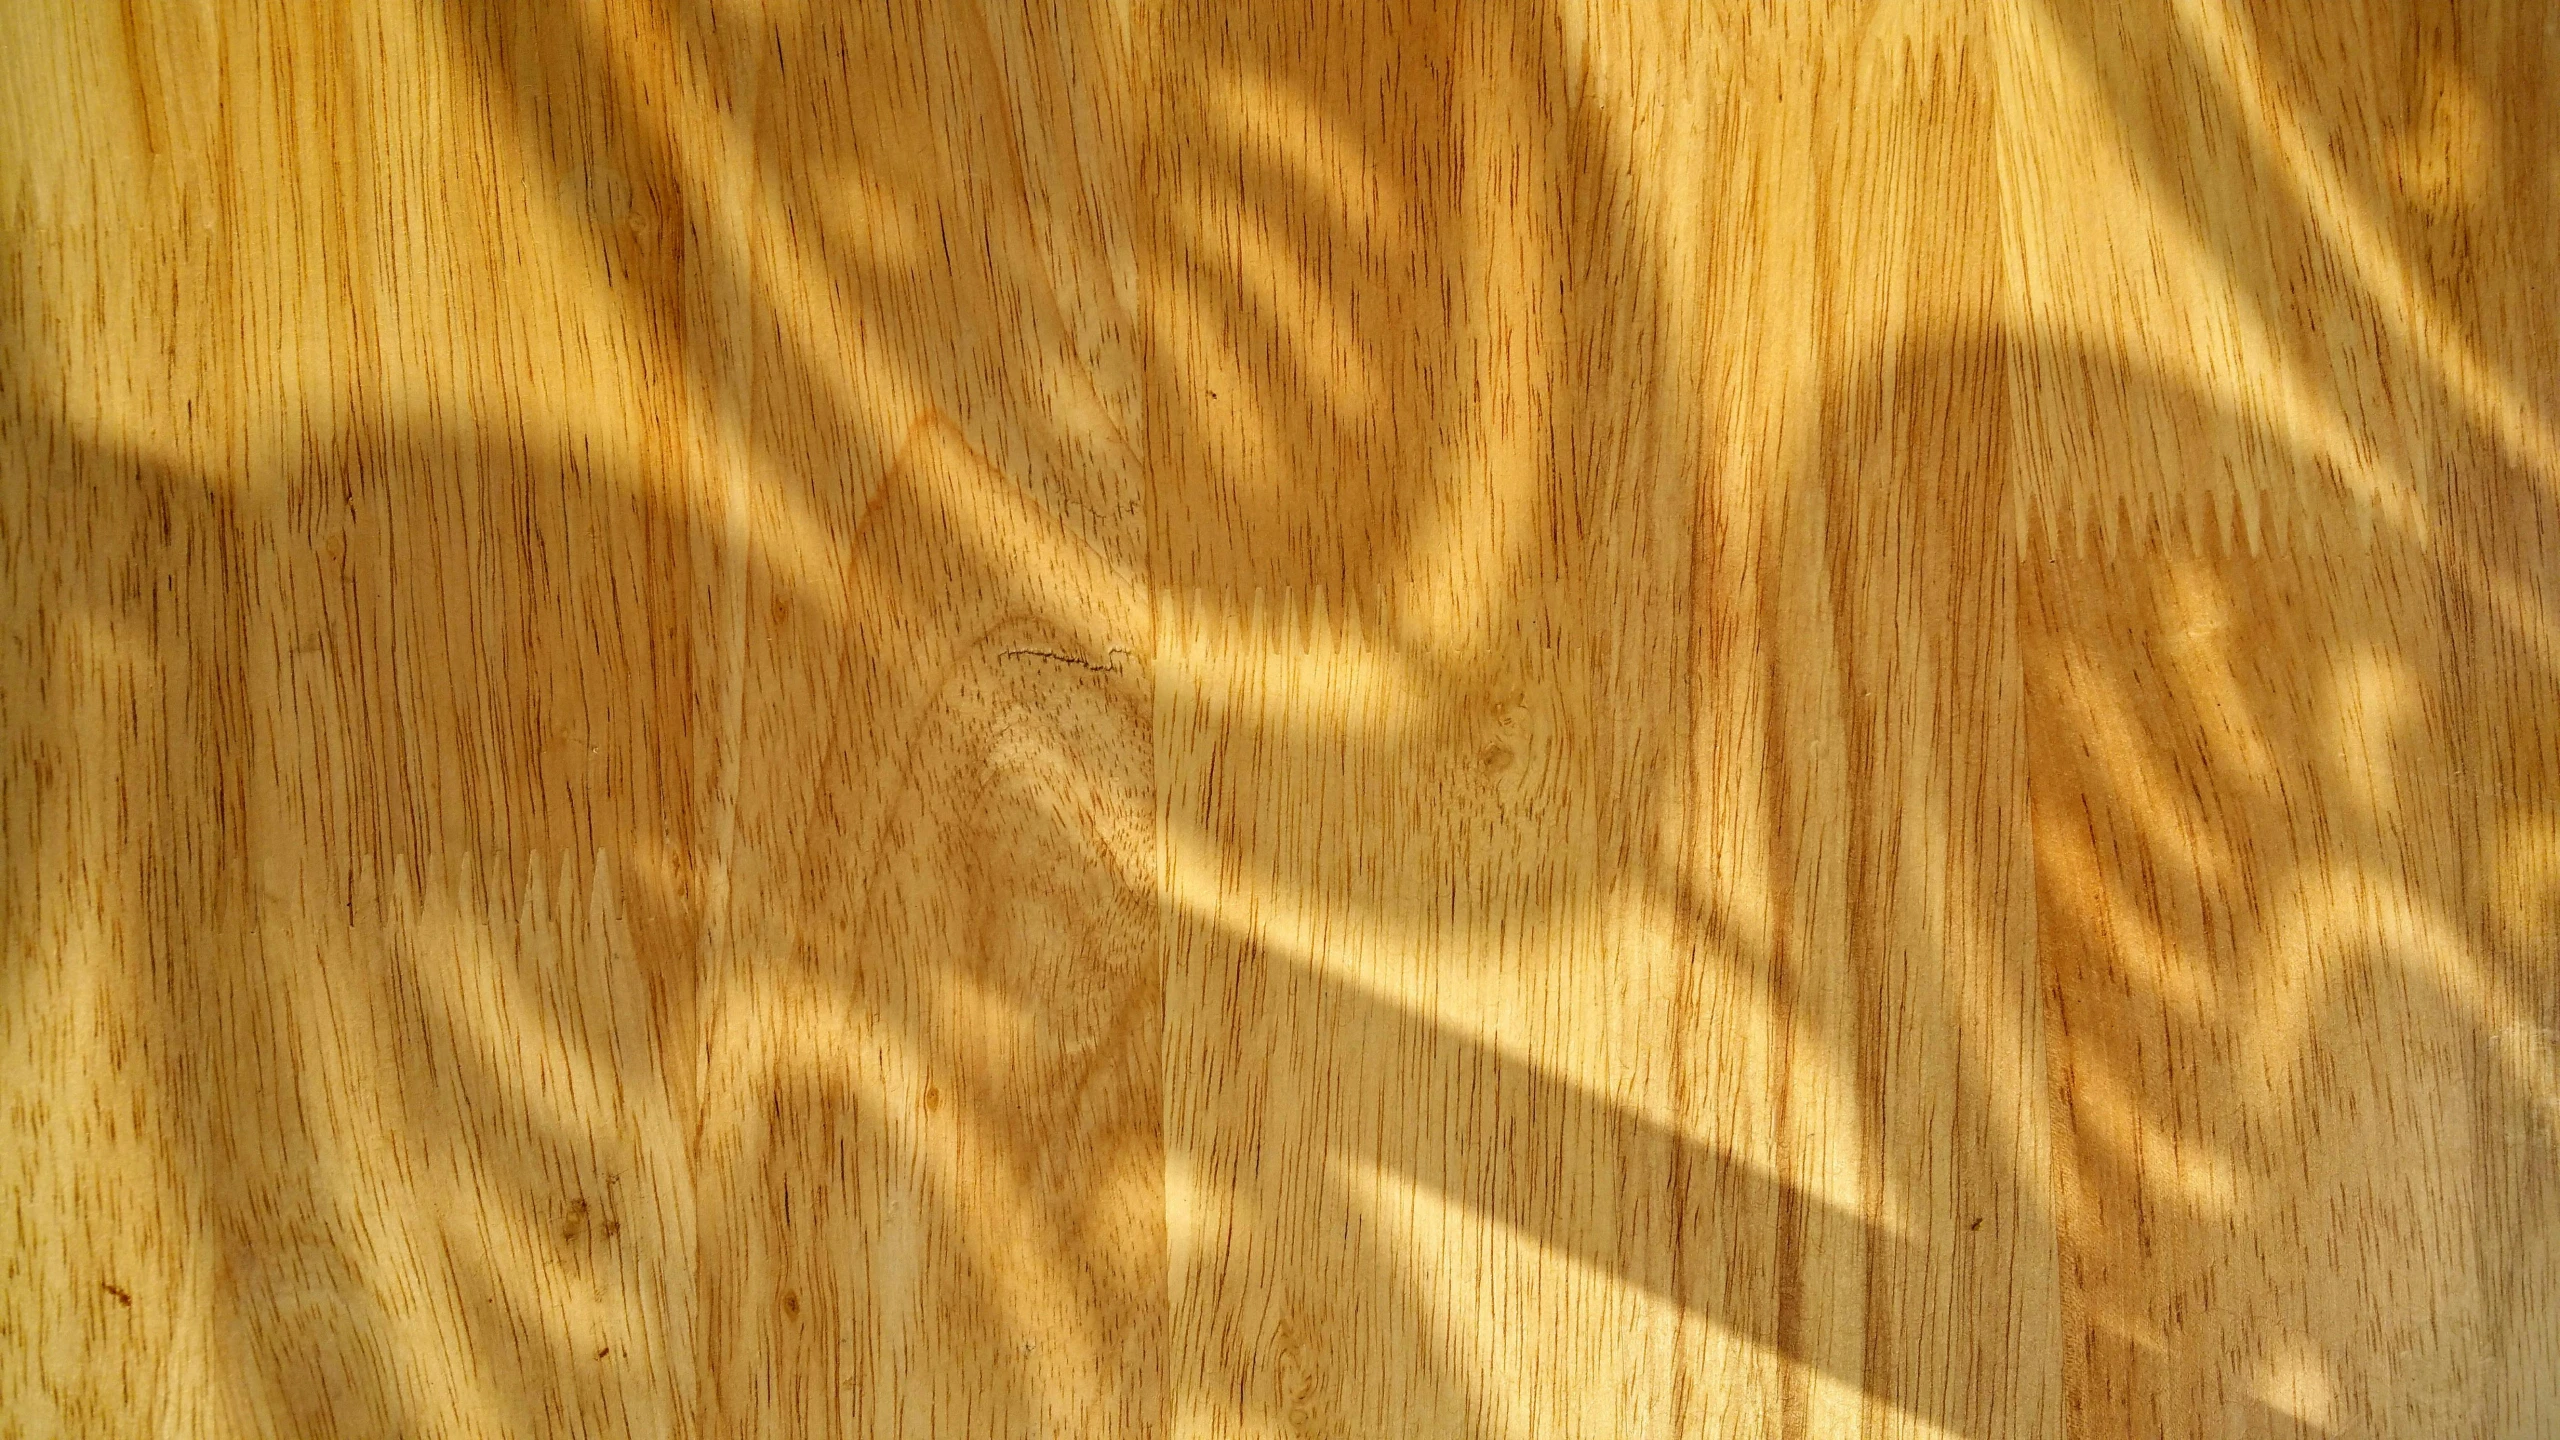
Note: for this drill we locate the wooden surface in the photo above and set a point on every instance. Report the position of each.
(740, 717)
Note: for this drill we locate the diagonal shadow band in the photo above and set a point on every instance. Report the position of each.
(1583, 1176)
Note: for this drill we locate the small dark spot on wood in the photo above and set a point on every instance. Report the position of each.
(607, 1350)
(576, 1223)
(1976, 1225)
(932, 1099)
(791, 1302)
(123, 1296)
(612, 1228)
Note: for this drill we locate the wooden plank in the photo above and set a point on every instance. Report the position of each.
(2286, 458)
(336, 1102)
(456, 437)
(1602, 999)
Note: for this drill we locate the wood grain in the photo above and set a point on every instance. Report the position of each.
(762, 716)
(2287, 463)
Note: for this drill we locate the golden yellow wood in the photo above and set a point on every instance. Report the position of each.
(734, 717)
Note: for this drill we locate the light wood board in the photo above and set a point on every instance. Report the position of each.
(776, 717)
